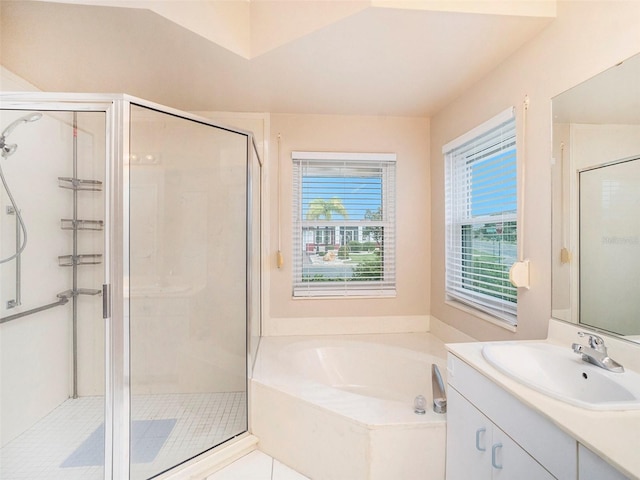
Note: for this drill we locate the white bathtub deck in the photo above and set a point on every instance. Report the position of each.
(305, 409)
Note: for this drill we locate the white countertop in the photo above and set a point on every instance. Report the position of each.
(614, 435)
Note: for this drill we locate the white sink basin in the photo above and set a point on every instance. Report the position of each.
(558, 372)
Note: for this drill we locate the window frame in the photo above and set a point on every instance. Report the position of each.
(342, 287)
(499, 131)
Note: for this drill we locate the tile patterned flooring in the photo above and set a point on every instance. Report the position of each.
(203, 420)
(257, 466)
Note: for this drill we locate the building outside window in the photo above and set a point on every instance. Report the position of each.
(344, 224)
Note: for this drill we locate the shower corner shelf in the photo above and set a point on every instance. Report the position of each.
(88, 291)
(85, 259)
(79, 291)
(79, 184)
(71, 224)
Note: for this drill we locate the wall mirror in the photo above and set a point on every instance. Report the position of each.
(596, 202)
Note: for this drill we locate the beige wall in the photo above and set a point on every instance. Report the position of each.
(409, 139)
(586, 38)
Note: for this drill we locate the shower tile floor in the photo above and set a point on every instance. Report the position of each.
(167, 430)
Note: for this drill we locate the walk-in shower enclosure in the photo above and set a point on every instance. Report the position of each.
(129, 270)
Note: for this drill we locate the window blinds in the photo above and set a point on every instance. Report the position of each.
(481, 217)
(344, 224)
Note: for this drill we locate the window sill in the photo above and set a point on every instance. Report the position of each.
(481, 315)
(390, 294)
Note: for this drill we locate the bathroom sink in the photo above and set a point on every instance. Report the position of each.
(559, 373)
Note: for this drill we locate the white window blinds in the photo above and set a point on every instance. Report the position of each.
(481, 217)
(344, 224)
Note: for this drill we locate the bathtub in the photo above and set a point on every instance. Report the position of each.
(341, 407)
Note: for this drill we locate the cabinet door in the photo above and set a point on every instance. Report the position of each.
(509, 461)
(477, 449)
(531, 431)
(468, 440)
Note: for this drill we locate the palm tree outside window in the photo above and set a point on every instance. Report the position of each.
(344, 224)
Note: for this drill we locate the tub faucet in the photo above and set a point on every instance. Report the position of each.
(439, 393)
(596, 353)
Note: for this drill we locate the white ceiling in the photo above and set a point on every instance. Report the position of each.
(378, 61)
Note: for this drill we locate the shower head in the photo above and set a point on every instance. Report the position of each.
(32, 117)
(9, 149)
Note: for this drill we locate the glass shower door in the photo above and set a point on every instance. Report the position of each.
(187, 287)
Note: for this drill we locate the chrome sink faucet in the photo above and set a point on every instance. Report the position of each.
(596, 353)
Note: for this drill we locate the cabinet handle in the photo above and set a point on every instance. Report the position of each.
(478, 432)
(494, 451)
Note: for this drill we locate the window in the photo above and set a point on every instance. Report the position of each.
(344, 224)
(481, 217)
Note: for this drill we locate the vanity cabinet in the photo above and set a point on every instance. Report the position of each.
(592, 467)
(492, 435)
(479, 449)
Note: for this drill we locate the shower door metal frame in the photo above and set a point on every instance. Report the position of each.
(117, 109)
(250, 291)
(121, 459)
(116, 377)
